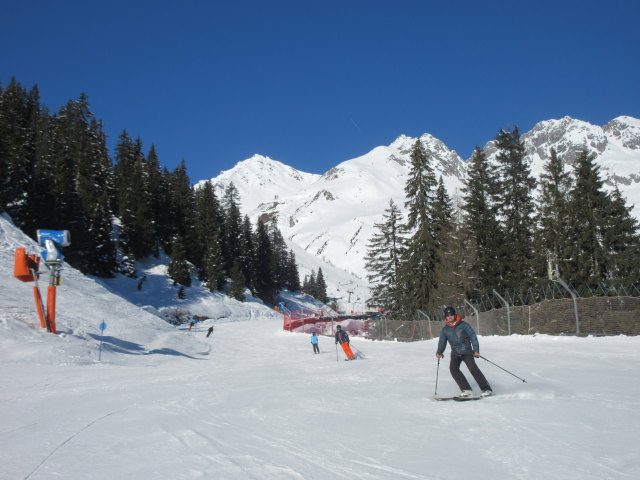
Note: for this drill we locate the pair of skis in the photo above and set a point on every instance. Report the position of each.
(457, 399)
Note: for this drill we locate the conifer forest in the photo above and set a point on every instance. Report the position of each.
(56, 173)
(506, 231)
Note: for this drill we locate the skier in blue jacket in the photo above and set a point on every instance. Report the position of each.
(314, 342)
(464, 348)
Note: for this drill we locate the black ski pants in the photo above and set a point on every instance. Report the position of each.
(458, 376)
(316, 348)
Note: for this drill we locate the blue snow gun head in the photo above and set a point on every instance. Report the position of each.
(51, 239)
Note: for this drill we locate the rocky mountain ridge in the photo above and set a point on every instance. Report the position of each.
(331, 217)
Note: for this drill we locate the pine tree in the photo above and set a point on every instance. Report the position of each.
(442, 213)
(265, 286)
(77, 173)
(64, 211)
(321, 287)
(20, 119)
(207, 222)
(292, 274)
(383, 259)
(158, 190)
(133, 198)
(161, 188)
(456, 276)
(309, 286)
(178, 267)
(418, 274)
(481, 219)
(237, 282)
(95, 187)
(588, 206)
(212, 273)
(280, 254)
(453, 252)
(232, 226)
(551, 242)
(248, 254)
(515, 209)
(39, 193)
(621, 240)
(181, 210)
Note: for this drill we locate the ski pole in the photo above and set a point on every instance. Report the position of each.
(336, 352)
(357, 350)
(437, 372)
(503, 369)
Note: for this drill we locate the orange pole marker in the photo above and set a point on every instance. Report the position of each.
(39, 307)
(51, 308)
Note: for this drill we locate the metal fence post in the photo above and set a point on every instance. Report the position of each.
(420, 312)
(508, 310)
(477, 315)
(575, 303)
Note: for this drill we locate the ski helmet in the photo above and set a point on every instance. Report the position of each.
(449, 311)
(339, 327)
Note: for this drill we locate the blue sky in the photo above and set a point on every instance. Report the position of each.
(315, 83)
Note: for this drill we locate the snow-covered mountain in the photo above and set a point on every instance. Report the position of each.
(261, 180)
(328, 219)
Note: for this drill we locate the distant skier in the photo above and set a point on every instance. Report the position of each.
(314, 342)
(464, 347)
(343, 339)
(191, 324)
(210, 331)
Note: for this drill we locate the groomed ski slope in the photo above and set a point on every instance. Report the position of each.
(254, 402)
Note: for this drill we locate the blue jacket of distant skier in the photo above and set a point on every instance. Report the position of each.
(314, 339)
(461, 337)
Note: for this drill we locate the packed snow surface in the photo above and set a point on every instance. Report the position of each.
(254, 402)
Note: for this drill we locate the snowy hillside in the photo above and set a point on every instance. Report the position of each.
(331, 217)
(254, 402)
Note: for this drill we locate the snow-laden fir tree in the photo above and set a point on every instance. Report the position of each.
(417, 277)
(179, 270)
(516, 210)
(587, 255)
(20, 120)
(237, 282)
(480, 187)
(207, 226)
(551, 240)
(247, 253)
(264, 285)
(181, 210)
(321, 287)
(453, 251)
(212, 272)
(383, 259)
(292, 280)
(232, 227)
(621, 240)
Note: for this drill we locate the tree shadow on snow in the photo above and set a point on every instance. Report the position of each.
(116, 345)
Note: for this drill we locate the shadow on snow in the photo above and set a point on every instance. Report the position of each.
(117, 345)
